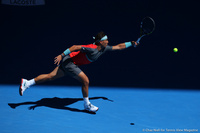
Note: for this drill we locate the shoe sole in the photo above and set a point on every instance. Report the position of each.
(20, 88)
(92, 111)
(97, 109)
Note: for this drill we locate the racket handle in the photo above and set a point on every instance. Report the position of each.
(138, 40)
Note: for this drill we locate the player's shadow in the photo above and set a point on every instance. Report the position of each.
(56, 103)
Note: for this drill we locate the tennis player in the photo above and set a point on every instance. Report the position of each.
(69, 61)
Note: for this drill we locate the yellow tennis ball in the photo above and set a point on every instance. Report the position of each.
(175, 50)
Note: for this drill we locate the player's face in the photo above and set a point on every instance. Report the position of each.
(104, 43)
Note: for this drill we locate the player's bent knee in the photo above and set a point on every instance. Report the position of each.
(86, 82)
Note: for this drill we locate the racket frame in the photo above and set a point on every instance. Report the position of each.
(142, 34)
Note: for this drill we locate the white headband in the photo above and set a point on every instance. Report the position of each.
(102, 39)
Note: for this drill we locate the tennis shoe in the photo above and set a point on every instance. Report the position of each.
(24, 85)
(91, 108)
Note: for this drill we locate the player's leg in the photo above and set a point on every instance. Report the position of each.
(56, 73)
(85, 83)
(85, 86)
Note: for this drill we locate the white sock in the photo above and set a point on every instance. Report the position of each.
(86, 100)
(31, 82)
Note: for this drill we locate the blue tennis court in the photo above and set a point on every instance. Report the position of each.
(50, 109)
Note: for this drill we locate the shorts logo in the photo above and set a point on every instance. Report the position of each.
(23, 2)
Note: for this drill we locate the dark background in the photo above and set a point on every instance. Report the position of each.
(30, 38)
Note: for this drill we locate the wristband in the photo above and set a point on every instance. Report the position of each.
(67, 51)
(63, 55)
(128, 44)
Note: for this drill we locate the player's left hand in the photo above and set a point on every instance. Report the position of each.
(57, 59)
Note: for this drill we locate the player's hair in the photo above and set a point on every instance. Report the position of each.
(99, 36)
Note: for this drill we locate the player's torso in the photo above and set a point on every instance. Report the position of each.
(89, 53)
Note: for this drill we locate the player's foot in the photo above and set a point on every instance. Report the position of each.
(23, 86)
(91, 108)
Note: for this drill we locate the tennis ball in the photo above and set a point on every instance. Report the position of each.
(175, 50)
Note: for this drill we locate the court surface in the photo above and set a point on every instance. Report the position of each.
(50, 109)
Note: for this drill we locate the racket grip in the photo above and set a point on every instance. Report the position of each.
(138, 40)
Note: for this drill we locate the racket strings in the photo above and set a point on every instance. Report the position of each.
(148, 25)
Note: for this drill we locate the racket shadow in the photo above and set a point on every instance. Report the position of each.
(56, 103)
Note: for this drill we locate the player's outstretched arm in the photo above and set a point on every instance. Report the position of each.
(124, 45)
(73, 48)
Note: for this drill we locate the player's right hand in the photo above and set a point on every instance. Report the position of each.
(135, 43)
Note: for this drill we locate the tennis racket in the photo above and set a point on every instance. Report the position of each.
(147, 26)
